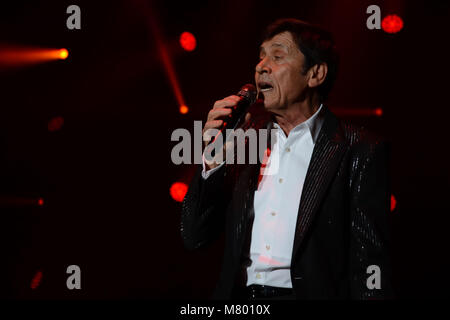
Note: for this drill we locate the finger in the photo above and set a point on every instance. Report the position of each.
(213, 124)
(214, 114)
(227, 102)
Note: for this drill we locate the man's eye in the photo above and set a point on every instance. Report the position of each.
(276, 57)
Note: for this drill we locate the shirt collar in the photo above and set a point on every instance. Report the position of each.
(314, 124)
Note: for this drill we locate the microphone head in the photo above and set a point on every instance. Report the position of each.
(248, 92)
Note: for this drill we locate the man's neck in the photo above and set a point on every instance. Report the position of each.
(296, 114)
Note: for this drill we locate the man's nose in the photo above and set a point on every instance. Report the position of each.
(262, 66)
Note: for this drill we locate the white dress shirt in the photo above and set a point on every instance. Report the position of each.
(276, 203)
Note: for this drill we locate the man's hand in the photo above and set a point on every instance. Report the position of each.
(216, 116)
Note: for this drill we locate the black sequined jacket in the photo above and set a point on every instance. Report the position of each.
(342, 224)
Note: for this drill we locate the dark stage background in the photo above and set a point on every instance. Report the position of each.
(105, 175)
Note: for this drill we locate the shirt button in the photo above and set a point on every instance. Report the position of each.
(258, 276)
(288, 149)
(267, 247)
(280, 180)
(273, 214)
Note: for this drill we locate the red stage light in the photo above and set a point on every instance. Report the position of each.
(178, 190)
(36, 280)
(379, 112)
(184, 109)
(63, 54)
(392, 23)
(20, 56)
(188, 41)
(358, 112)
(393, 203)
(55, 124)
(41, 202)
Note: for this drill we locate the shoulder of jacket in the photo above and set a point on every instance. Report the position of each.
(359, 138)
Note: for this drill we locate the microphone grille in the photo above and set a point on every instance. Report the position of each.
(248, 92)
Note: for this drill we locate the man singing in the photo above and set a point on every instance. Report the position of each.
(316, 228)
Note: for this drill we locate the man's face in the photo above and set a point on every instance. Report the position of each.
(279, 73)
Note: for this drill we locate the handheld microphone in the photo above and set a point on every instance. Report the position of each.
(248, 97)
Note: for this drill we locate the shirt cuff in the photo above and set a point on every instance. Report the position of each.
(207, 173)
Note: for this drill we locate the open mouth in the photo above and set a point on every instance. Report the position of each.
(265, 86)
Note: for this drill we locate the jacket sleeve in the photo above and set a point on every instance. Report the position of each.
(203, 208)
(370, 268)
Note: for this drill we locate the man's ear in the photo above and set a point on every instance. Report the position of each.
(317, 74)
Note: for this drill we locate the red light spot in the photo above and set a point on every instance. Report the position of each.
(55, 124)
(63, 54)
(378, 112)
(188, 41)
(392, 23)
(178, 190)
(36, 280)
(41, 202)
(393, 203)
(184, 109)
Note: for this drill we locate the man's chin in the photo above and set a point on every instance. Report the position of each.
(269, 106)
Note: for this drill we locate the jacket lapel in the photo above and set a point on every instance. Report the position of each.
(328, 151)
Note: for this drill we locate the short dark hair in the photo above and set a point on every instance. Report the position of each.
(316, 44)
